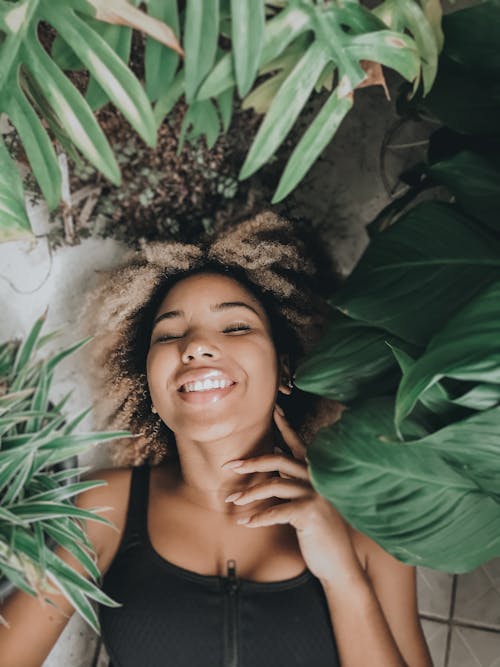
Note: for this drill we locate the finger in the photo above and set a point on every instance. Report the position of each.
(271, 462)
(291, 438)
(294, 513)
(276, 487)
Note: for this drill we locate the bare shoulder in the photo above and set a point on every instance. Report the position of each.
(114, 495)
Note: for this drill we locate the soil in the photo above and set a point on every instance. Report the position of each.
(163, 194)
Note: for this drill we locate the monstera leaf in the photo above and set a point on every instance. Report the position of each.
(33, 87)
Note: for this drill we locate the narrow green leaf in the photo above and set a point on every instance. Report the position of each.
(72, 111)
(200, 119)
(279, 32)
(316, 138)
(35, 511)
(169, 98)
(64, 56)
(201, 32)
(119, 38)
(121, 86)
(38, 147)
(161, 62)
(57, 358)
(16, 20)
(14, 221)
(225, 104)
(285, 108)
(27, 347)
(247, 32)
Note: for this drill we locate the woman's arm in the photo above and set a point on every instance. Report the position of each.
(374, 611)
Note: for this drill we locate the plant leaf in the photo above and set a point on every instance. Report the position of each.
(247, 33)
(315, 139)
(201, 32)
(285, 108)
(465, 348)
(411, 498)
(414, 265)
(14, 221)
(160, 62)
(121, 86)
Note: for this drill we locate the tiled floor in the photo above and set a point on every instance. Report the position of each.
(461, 616)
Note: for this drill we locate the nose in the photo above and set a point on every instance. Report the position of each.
(199, 347)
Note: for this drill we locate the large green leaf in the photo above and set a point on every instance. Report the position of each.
(422, 502)
(352, 360)
(463, 101)
(472, 37)
(475, 182)
(466, 348)
(413, 267)
(14, 221)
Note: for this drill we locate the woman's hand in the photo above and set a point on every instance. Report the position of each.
(322, 533)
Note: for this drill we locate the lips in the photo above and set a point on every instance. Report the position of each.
(207, 396)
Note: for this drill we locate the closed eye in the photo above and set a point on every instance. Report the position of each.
(238, 326)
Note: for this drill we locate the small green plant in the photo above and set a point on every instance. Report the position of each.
(413, 346)
(273, 55)
(38, 478)
(35, 93)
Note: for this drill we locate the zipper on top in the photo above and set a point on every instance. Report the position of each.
(232, 585)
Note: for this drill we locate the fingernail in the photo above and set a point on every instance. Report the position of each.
(244, 519)
(233, 496)
(233, 464)
(279, 409)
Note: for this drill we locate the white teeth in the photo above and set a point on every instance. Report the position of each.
(206, 385)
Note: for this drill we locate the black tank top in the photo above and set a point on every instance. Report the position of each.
(173, 617)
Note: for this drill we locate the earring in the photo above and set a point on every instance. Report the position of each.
(290, 383)
(154, 410)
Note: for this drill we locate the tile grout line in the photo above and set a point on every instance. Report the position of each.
(460, 624)
(450, 617)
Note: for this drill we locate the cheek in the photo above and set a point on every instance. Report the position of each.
(157, 372)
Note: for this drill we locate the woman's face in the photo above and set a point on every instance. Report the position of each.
(209, 327)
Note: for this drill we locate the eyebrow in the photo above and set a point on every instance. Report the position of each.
(215, 308)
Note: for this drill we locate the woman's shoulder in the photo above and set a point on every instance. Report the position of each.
(113, 497)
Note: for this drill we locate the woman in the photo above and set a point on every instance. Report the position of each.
(224, 553)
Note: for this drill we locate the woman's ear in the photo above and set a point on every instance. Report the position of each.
(286, 384)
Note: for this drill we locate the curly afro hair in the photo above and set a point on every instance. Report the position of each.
(276, 260)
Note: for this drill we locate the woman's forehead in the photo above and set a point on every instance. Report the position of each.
(209, 289)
